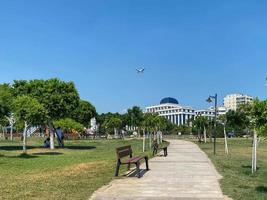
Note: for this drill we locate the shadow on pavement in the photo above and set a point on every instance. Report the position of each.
(133, 173)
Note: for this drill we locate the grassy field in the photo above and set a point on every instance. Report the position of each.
(74, 172)
(238, 182)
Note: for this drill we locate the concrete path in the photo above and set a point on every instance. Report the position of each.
(185, 174)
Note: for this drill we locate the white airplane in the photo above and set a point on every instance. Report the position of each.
(140, 71)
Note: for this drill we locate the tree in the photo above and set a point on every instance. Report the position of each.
(84, 112)
(31, 112)
(199, 124)
(223, 121)
(59, 98)
(258, 119)
(6, 99)
(112, 124)
(68, 125)
(135, 117)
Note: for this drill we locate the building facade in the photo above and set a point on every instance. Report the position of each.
(173, 111)
(210, 112)
(232, 101)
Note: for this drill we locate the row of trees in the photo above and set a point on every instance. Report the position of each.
(41, 103)
(134, 118)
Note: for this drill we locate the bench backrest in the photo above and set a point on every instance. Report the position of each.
(124, 151)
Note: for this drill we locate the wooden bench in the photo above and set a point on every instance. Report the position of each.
(126, 151)
(156, 147)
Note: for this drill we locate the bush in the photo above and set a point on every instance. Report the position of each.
(68, 125)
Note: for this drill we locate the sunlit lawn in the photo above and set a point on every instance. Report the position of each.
(74, 172)
(238, 182)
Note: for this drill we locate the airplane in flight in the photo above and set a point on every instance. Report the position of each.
(140, 71)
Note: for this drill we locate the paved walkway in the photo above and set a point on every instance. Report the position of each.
(185, 174)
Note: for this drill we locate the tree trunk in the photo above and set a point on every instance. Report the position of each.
(51, 132)
(254, 153)
(11, 132)
(205, 135)
(150, 138)
(225, 141)
(25, 137)
(144, 141)
(198, 135)
(158, 135)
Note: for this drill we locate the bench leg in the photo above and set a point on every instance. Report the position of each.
(166, 152)
(146, 159)
(117, 168)
(129, 166)
(155, 151)
(138, 169)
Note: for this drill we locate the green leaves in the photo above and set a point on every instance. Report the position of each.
(111, 123)
(68, 124)
(84, 113)
(6, 98)
(28, 109)
(58, 97)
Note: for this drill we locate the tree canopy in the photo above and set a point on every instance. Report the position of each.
(58, 97)
(84, 112)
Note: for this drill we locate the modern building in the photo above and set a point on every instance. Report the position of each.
(210, 112)
(173, 111)
(232, 101)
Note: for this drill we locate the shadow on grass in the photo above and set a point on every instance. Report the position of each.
(15, 148)
(21, 156)
(79, 147)
(24, 156)
(47, 153)
(262, 189)
(249, 167)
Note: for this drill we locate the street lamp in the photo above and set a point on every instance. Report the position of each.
(209, 100)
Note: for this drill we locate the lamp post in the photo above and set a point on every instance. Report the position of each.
(209, 100)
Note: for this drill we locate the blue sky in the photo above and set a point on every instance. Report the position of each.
(190, 48)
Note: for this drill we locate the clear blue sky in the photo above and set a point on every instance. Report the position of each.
(190, 49)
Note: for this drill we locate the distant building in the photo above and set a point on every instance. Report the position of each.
(232, 101)
(210, 112)
(173, 111)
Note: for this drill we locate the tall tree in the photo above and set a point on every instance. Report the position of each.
(84, 112)
(223, 121)
(112, 124)
(258, 120)
(30, 112)
(6, 99)
(59, 98)
(135, 117)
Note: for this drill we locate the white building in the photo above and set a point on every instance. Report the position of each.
(210, 112)
(172, 110)
(232, 101)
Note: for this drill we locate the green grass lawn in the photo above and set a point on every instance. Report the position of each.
(238, 182)
(74, 172)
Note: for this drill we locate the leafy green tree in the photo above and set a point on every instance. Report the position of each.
(31, 112)
(199, 125)
(6, 99)
(112, 124)
(258, 119)
(84, 113)
(59, 98)
(134, 117)
(67, 125)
